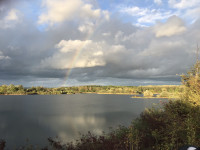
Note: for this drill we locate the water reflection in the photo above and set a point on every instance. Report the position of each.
(70, 126)
(65, 116)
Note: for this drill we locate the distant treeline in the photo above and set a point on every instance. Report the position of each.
(20, 90)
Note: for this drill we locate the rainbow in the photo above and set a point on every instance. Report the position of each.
(71, 65)
(75, 57)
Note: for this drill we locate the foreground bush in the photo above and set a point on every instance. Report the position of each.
(175, 125)
(114, 140)
(167, 128)
(191, 82)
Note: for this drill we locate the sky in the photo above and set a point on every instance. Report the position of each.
(56, 43)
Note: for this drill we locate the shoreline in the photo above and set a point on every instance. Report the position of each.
(132, 95)
(116, 93)
(151, 97)
(76, 93)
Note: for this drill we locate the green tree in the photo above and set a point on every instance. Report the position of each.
(12, 89)
(191, 81)
(3, 89)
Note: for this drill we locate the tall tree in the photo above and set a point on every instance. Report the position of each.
(192, 82)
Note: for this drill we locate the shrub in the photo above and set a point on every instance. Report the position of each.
(148, 93)
(114, 140)
(173, 126)
(164, 94)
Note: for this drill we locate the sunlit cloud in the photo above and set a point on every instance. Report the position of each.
(76, 54)
(57, 11)
(173, 26)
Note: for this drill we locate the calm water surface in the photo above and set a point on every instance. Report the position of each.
(35, 118)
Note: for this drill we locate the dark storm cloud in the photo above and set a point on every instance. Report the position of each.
(5, 1)
(158, 58)
(5, 5)
(25, 51)
(109, 49)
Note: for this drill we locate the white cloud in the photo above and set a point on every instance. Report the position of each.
(72, 45)
(76, 54)
(12, 18)
(134, 11)
(184, 4)
(106, 34)
(173, 26)
(87, 27)
(154, 49)
(81, 54)
(58, 11)
(154, 16)
(89, 12)
(106, 14)
(158, 2)
(119, 36)
(3, 57)
(98, 53)
(12, 15)
(189, 10)
(146, 15)
(192, 14)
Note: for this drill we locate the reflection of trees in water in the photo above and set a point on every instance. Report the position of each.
(68, 127)
(39, 117)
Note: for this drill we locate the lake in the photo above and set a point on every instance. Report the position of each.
(33, 119)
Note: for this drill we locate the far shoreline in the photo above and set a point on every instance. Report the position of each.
(145, 92)
(132, 95)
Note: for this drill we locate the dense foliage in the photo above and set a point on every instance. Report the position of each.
(20, 90)
(192, 85)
